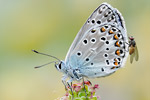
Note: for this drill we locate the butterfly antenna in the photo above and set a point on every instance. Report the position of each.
(46, 55)
(45, 64)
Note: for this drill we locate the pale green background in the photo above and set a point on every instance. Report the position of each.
(50, 27)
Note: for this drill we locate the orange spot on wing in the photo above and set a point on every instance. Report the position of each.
(115, 37)
(116, 63)
(103, 29)
(117, 44)
(118, 52)
(115, 60)
(111, 32)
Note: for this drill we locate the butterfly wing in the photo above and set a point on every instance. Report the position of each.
(106, 55)
(97, 18)
(99, 47)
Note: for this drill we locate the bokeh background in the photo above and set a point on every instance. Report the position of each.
(50, 26)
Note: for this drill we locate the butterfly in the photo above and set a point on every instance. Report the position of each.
(99, 49)
(133, 51)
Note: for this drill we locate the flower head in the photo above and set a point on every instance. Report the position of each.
(78, 91)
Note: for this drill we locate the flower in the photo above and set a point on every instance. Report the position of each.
(96, 86)
(87, 83)
(78, 92)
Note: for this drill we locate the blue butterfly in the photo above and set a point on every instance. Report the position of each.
(99, 49)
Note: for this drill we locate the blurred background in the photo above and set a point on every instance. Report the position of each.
(50, 26)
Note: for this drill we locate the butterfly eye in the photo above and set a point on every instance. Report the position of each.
(59, 66)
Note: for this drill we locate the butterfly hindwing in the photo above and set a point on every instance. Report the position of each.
(106, 55)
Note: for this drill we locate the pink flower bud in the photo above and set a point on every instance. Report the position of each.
(96, 86)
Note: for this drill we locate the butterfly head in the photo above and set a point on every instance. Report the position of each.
(60, 66)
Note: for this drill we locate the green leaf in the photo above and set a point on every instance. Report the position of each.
(83, 98)
(94, 98)
(75, 94)
(81, 94)
(70, 92)
(78, 99)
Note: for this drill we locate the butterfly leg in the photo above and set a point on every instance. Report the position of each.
(70, 86)
(84, 88)
(64, 81)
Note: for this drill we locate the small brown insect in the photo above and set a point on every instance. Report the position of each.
(133, 51)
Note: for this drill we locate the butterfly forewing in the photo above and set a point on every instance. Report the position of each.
(99, 47)
(104, 14)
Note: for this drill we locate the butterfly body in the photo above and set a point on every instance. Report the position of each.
(99, 49)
